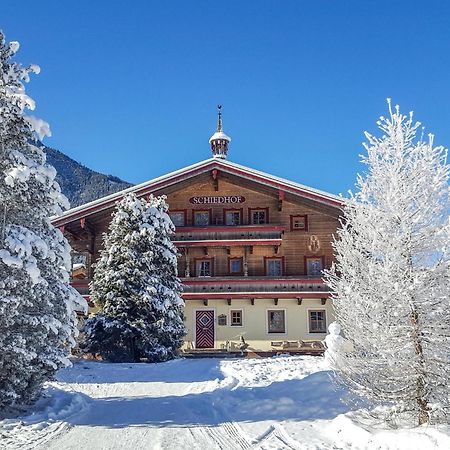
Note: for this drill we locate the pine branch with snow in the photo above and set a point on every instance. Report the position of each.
(136, 285)
(392, 274)
(37, 305)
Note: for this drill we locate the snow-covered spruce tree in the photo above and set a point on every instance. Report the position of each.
(37, 305)
(136, 286)
(392, 274)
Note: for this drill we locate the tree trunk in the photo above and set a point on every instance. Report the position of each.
(421, 398)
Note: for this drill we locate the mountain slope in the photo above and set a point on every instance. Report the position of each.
(80, 184)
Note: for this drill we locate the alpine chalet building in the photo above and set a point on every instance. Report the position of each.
(252, 249)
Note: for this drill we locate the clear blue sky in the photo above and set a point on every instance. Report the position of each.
(130, 87)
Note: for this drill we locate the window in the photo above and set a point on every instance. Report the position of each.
(299, 223)
(202, 218)
(178, 218)
(274, 267)
(204, 267)
(317, 321)
(235, 266)
(258, 216)
(276, 322)
(233, 216)
(236, 318)
(314, 266)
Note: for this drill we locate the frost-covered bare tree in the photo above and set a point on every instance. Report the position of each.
(392, 274)
(37, 305)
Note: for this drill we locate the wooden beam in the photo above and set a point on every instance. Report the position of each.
(275, 301)
(229, 301)
(324, 300)
(205, 302)
(280, 199)
(252, 301)
(214, 175)
(299, 301)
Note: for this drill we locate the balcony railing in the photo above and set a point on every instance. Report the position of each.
(221, 287)
(245, 234)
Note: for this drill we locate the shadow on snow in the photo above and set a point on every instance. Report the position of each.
(311, 398)
(175, 371)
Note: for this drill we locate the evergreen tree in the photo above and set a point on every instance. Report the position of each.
(392, 275)
(37, 305)
(136, 285)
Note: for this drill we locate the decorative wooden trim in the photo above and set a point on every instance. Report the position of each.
(252, 301)
(305, 216)
(254, 280)
(209, 210)
(241, 273)
(299, 301)
(253, 295)
(250, 212)
(241, 212)
(228, 243)
(184, 211)
(234, 229)
(305, 261)
(283, 268)
(229, 301)
(205, 258)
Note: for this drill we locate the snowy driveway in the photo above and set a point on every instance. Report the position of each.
(275, 403)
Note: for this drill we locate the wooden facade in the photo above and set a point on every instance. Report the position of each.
(246, 240)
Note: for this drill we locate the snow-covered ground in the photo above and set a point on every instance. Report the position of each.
(273, 403)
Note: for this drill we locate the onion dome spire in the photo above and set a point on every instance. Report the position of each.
(219, 140)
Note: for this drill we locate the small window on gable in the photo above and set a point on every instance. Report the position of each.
(236, 318)
(299, 223)
(178, 218)
(258, 216)
(317, 321)
(233, 217)
(202, 218)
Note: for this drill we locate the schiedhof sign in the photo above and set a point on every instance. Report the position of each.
(219, 200)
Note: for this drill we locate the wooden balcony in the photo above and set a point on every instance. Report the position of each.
(228, 235)
(242, 287)
(251, 287)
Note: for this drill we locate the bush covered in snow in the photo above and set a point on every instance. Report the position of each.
(37, 305)
(136, 285)
(392, 275)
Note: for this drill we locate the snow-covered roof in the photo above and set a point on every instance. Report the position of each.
(193, 170)
(219, 135)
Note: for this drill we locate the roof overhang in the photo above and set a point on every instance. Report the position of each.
(186, 173)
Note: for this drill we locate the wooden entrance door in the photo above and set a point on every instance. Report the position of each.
(204, 329)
